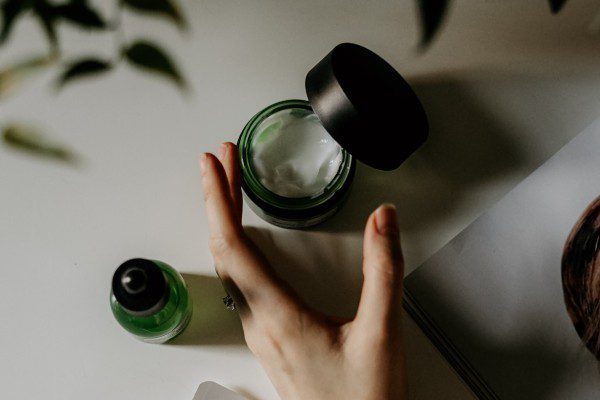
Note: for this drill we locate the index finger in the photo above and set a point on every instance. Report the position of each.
(222, 220)
(237, 260)
(228, 155)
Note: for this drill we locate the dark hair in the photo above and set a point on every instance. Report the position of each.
(581, 277)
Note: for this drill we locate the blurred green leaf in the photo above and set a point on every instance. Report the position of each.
(432, 15)
(148, 56)
(28, 140)
(557, 5)
(83, 68)
(164, 8)
(11, 76)
(46, 15)
(80, 13)
(11, 10)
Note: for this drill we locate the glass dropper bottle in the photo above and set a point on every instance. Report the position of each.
(150, 300)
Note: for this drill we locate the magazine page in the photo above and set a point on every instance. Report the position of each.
(512, 301)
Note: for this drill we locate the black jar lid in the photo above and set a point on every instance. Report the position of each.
(140, 287)
(366, 106)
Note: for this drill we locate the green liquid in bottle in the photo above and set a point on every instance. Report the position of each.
(134, 308)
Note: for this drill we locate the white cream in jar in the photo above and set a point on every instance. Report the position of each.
(293, 155)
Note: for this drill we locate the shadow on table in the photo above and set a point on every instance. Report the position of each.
(212, 323)
(327, 276)
(468, 145)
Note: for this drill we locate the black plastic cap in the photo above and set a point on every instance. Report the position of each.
(140, 287)
(366, 106)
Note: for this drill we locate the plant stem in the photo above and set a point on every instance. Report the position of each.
(119, 35)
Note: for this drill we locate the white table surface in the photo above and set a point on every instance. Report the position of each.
(505, 86)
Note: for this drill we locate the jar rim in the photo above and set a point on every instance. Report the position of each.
(251, 181)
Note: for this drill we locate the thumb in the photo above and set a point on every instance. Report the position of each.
(383, 270)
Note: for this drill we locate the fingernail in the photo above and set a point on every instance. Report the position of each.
(222, 151)
(386, 220)
(203, 158)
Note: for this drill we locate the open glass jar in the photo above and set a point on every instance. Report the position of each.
(297, 203)
(298, 157)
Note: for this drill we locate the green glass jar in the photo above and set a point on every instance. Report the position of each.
(150, 300)
(290, 212)
(298, 157)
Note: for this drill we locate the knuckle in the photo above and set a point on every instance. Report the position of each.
(283, 341)
(264, 343)
(288, 321)
(282, 330)
(389, 256)
(386, 267)
(221, 244)
(385, 279)
(388, 270)
(217, 245)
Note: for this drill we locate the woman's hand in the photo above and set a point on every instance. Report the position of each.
(309, 356)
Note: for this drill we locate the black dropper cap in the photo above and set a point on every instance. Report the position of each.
(366, 106)
(140, 287)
